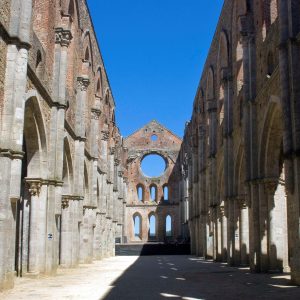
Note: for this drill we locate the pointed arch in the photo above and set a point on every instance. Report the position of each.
(35, 137)
(71, 8)
(86, 183)
(210, 93)
(87, 55)
(137, 226)
(67, 169)
(99, 83)
(152, 225)
(271, 140)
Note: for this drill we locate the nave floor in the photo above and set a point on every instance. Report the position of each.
(155, 277)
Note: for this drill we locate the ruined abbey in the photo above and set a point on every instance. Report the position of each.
(71, 186)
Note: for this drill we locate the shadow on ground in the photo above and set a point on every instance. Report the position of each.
(187, 277)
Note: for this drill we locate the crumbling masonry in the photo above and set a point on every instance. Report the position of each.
(241, 147)
(69, 183)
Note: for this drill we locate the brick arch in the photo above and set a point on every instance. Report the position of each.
(210, 92)
(87, 50)
(71, 8)
(99, 82)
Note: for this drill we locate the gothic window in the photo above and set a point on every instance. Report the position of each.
(152, 226)
(168, 226)
(140, 192)
(137, 222)
(153, 193)
(166, 193)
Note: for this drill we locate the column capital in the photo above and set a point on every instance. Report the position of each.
(270, 185)
(95, 113)
(105, 135)
(226, 75)
(83, 83)
(63, 37)
(117, 162)
(64, 203)
(34, 186)
(112, 150)
(222, 210)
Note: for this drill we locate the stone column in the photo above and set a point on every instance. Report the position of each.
(244, 232)
(66, 234)
(33, 261)
(270, 187)
(230, 231)
(224, 233)
(17, 40)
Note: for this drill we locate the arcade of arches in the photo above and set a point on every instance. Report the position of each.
(70, 184)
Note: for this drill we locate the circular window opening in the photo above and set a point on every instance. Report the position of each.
(154, 138)
(153, 165)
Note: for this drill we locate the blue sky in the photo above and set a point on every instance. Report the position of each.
(154, 52)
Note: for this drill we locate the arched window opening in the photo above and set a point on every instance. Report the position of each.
(140, 193)
(153, 193)
(98, 87)
(152, 226)
(270, 64)
(166, 193)
(87, 54)
(137, 222)
(38, 59)
(168, 226)
(270, 14)
(71, 9)
(39, 64)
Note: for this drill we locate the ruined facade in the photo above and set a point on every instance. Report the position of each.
(241, 148)
(152, 199)
(61, 181)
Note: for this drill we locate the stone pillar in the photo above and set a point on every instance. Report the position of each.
(66, 234)
(263, 227)
(224, 233)
(254, 232)
(17, 40)
(219, 236)
(230, 231)
(270, 187)
(244, 232)
(33, 261)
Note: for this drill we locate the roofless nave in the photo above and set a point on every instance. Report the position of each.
(71, 185)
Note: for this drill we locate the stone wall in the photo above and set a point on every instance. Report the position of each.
(240, 156)
(153, 138)
(63, 189)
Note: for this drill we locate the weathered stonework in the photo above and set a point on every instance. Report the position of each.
(167, 145)
(241, 147)
(56, 204)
